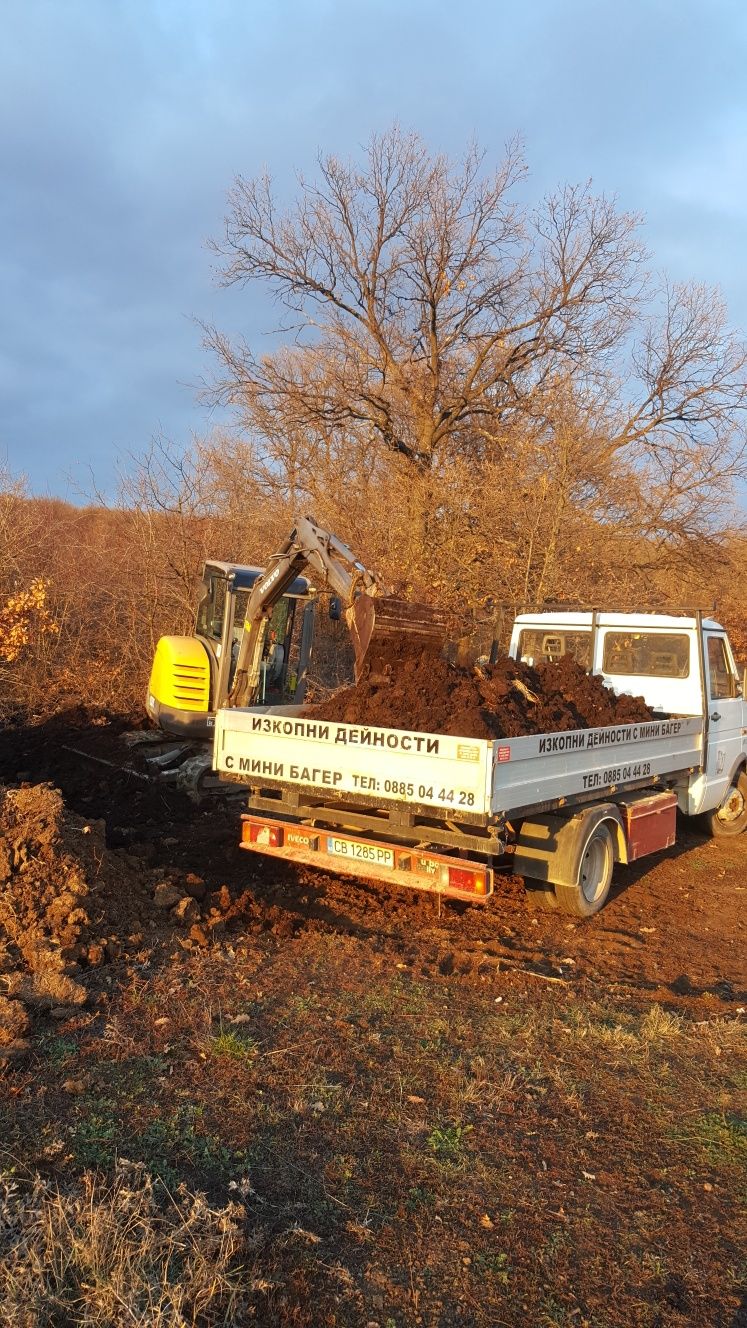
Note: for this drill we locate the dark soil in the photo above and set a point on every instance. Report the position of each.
(401, 689)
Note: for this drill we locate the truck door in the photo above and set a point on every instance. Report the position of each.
(725, 718)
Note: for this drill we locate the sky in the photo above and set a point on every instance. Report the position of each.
(124, 123)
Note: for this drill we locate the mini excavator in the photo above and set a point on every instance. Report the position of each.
(244, 651)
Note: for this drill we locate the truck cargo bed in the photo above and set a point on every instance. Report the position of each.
(470, 780)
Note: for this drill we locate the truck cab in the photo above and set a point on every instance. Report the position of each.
(681, 664)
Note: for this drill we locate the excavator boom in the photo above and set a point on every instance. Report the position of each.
(371, 614)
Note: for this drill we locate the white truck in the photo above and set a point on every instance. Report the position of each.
(442, 813)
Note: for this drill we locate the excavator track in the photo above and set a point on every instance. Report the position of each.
(167, 762)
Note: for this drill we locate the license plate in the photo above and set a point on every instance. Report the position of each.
(352, 848)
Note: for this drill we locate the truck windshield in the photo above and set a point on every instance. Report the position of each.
(536, 647)
(646, 654)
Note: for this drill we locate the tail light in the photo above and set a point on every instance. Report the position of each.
(469, 880)
(254, 832)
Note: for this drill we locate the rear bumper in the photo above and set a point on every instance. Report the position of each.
(397, 864)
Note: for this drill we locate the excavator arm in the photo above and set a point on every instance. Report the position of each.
(369, 609)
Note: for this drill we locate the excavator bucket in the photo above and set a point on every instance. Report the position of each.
(375, 620)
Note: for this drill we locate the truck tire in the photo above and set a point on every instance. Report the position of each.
(731, 817)
(594, 878)
(540, 896)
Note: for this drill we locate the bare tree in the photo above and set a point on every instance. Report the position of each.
(426, 301)
(435, 319)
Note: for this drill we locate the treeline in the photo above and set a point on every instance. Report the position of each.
(116, 578)
(490, 401)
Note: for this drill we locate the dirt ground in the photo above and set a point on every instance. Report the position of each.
(487, 1115)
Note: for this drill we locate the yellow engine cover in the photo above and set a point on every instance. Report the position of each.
(180, 677)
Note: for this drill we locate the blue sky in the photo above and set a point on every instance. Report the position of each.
(125, 121)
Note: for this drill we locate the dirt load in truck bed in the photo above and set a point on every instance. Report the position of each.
(405, 689)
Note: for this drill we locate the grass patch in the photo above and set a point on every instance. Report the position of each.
(723, 1136)
(588, 1130)
(233, 1046)
(659, 1025)
(94, 1138)
(172, 1146)
(103, 1253)
(57, 1050)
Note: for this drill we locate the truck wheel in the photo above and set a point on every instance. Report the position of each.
(594, 877)
(731, 817)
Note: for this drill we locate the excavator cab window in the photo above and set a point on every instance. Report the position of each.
(276, 651)
(212, 607)
(276, 647)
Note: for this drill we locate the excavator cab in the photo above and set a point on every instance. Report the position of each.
(193, 675)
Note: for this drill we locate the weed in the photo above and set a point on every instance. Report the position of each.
(302, 1004)
(419, 1197)
(94, 1138)
(495, 1265)
(609, 1029)
(447, 1142)
(138, 1074)
(658, 1025)
(554, 1245)
(167, 1144)
(171, 1143)
(723, 1136)
(654, 1265)
(554, 1314)
(479, 1088)
(56, 1049)
(106, 1253)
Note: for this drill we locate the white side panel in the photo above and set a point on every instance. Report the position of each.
(542, 768)
(388, 765)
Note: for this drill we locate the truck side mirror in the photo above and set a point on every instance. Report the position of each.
(335, 608)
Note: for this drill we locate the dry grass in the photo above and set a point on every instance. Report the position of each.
(118, 1253)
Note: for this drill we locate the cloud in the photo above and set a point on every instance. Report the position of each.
(125, 122)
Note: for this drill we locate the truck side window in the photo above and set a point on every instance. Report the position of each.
(721, 681)
(537, 647)
(646, 654)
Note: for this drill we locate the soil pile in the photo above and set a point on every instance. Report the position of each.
(71, 904)
(401, 689)
(64, 902)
